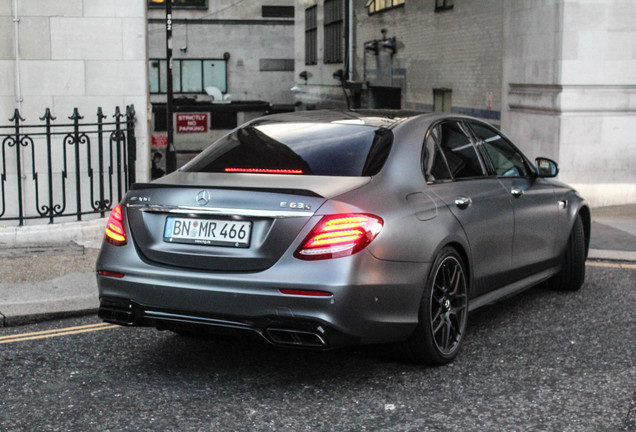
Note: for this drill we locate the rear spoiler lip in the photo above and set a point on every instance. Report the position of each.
(325, 187)
(303, 192)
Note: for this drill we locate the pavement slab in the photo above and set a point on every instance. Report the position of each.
(42, 282)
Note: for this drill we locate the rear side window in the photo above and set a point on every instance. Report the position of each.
(449, 153)
(327, 149)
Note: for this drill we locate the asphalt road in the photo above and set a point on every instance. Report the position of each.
(543, 361)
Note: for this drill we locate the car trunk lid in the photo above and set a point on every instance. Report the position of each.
(226, 222)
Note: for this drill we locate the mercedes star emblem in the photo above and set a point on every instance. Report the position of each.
(203, 198)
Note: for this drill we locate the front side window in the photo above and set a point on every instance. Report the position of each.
(449, 153)
(272, 147)
(506, 159)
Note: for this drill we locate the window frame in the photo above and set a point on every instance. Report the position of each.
(467, 130)
(485, 155)
(333, 51)
(183, 4)
(444, 5)
(272, 11)
(177, 74)
(442, 93)
(372, 6)
(311, 35)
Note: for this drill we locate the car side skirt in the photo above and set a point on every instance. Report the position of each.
(512, 289)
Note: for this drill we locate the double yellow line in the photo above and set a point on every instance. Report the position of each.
(617, 265)
(57, 332)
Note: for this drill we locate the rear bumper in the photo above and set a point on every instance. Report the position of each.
(372, 301)
(276, 330)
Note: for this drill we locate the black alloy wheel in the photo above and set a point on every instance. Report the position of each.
(443, 312)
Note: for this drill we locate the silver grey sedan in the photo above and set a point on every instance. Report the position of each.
(322, 229)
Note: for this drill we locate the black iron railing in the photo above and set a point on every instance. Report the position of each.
(37, 161)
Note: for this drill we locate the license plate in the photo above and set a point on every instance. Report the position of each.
(210, 232)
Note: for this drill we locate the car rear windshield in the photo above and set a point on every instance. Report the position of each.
(325, 149)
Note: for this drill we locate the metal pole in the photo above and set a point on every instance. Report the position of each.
(350, 54)
(171, 153)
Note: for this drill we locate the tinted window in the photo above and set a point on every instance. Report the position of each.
(434, 164)
(506, 159)
(454, 147)
(330, 149)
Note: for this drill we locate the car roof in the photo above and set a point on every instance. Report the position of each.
(375, 118)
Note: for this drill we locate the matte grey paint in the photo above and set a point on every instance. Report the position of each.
(509, 243)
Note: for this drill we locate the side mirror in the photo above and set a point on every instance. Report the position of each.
(546, 167)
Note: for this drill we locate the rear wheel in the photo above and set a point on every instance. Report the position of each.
(572, 273)
(443, 312)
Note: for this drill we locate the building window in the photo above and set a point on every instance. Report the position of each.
(333, 31)
(179, 4)
(442, 5)
(380, 5)
(188, 76)
(442, 99)
(276, 65)
(278, 11)
(311, 35)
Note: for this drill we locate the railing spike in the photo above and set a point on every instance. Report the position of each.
(100, 114)
(117, 112)
(47, 115)
(16, 116)
(76, 115)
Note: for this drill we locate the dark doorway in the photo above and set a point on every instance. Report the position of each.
(385, 97)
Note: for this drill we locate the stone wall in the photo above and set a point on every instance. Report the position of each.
(80, 54)
(569, 90)
(458, 49)
(242, 32)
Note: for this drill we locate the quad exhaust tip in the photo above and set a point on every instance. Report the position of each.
(115, 316)
(296, 338)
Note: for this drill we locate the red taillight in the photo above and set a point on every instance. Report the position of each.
(339, 235)
(110, 274)
(263, 171)
(115, 232)
(311, 293)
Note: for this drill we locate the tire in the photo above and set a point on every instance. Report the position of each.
(572, 274)
(443, 312)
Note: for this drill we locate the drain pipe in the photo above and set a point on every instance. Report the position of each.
(350, 47)
(18, 85)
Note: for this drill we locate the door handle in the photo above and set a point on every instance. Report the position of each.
(516, 192)
(463, 202)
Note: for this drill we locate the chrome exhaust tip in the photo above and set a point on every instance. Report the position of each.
(297, 338)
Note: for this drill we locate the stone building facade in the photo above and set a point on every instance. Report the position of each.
(70, 54)
(62, 55)
(557, 76)
(244, 50)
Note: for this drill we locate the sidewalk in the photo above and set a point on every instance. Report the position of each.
(57, 277)
(53, 279)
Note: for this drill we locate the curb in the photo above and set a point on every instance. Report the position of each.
(611, 255)
(46, 316)
(51, 234)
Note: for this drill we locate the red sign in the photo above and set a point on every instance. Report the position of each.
(192, 123)
(160, 141)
